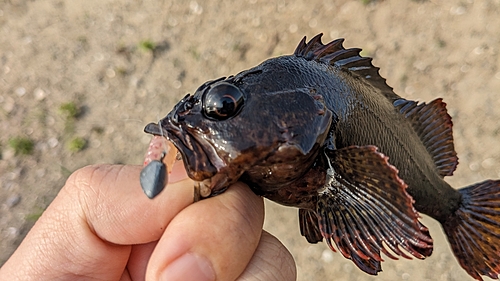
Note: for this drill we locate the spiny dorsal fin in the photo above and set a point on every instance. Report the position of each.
(434, 127)
(349, 60)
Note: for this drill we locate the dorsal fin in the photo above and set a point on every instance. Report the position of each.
(434, 127)
(349, 60)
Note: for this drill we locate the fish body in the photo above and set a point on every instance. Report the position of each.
(322, 131)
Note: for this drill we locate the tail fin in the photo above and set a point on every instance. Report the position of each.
(474, 232)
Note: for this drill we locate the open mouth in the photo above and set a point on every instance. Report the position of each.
(201, 160)
(198, 165)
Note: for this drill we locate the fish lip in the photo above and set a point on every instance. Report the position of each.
(200, 159)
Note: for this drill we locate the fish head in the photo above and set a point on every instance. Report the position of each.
(228, 127)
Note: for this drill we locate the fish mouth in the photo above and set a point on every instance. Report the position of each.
(201, 161)
(197, 161)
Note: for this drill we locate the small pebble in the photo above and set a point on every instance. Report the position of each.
(134, 81)
(50, 120)
(20, 91)
(9, 104)
(14, 174)
(327, 256)
(474, 166)
(195, 8)
(488, 163)
(114, 104)
(8, 153)
(478, 50)
(457, 10)
(12, 232)
(52, 142)
(110, 73)
(13, 200)
(98, 57)
(172, 22)
(95, 143)
(39, 94)
(40, 172)
(410, 90)
(311, 250)
(334, 34)
(313, 23)
(177, 84)
(348, 267)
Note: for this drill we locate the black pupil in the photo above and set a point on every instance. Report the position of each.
(222, 101)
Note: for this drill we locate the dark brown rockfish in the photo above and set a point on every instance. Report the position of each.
(322, 131)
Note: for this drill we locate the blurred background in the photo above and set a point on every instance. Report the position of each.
(80, 79)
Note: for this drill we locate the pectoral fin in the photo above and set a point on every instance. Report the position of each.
(365, 210)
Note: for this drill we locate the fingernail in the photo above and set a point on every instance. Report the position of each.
(189, 267)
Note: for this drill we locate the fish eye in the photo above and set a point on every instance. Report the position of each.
(222, 101)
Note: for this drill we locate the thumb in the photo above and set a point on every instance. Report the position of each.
(86, 232)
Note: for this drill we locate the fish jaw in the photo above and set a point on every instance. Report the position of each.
(203, 165)
(199, 165)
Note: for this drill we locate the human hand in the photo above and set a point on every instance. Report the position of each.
(102, 227)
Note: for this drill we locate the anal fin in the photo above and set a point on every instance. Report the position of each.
(309, 228)
(433, 125)
(365, 210)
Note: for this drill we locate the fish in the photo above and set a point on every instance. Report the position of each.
(322, 131)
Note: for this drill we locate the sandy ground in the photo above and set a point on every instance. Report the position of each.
(86, 52)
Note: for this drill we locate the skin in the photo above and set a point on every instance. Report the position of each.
(102, 227)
